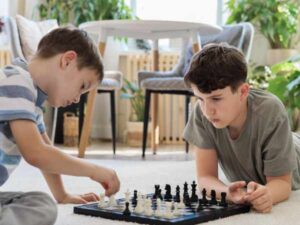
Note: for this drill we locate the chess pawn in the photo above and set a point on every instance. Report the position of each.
(176, 212)
(158, 212)
(112, 201)
(127, 211)
(168, 213)
(223, 201)
(148, 207)
(127, 196)
(181, 204)
(102, 203)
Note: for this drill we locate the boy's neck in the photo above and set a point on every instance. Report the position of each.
(40, 73)
(236, 127)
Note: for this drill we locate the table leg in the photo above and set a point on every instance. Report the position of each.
(89, 114)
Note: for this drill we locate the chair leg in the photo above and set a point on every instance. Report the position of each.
(187, 104)
(113, 119)
(54, 125)
(146, 120)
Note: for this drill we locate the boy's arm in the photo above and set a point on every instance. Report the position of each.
(56, 186)
(50, 160)
(263, 197)
(207, 173)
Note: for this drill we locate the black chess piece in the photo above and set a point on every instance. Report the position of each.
(159, 195)
(134, 199)
(200, 206)
(168, 195)
(204, 199)
(126, 212)
(185, 189)
(213, 198)
(223, 201)
(187, 201)
(177, 196)
(194, 197)
(156, 191)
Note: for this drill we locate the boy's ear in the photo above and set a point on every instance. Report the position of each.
(67, 58)
(244, 90)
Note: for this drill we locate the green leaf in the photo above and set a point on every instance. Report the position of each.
(277, 86)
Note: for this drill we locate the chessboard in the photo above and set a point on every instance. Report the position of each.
(164, 209)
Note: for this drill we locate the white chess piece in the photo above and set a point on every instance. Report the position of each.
(158, 212)
(148, 207)
(102, 203)
(112, 201)
(168, 213)
(176, 212)
(181, 204)
(140, 205)
(127, 196)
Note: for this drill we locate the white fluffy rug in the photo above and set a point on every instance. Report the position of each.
(142, 175)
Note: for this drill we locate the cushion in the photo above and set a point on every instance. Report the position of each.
(31, 33)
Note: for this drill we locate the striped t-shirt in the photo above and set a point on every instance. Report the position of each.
(21, 99)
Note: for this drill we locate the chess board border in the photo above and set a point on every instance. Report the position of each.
(203, 216)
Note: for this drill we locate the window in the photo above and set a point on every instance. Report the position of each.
(187, 10)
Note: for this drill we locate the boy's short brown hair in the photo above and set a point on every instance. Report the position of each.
(217, 66)
(65, 39)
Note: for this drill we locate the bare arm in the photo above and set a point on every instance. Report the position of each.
(263, 197)
(54, 181)
(50, 160)
(207, 172)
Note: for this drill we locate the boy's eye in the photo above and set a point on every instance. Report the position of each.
(216, 99)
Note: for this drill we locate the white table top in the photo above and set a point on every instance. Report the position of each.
(148, 29)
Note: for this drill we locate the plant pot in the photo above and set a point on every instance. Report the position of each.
(135, 134)
(278, 55)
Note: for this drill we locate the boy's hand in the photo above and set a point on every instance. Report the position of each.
(107, 178)
(237, 192)
(79, 199)
(259, 196)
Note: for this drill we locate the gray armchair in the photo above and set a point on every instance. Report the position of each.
(172, 82)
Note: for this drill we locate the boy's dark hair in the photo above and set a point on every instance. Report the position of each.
(65, 39)
(217, 66)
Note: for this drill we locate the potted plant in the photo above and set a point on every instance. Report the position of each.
(283, 80)
(79, 11)
(135, 95)
(277, 20)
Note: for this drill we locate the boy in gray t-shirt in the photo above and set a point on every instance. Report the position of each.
(245, 130)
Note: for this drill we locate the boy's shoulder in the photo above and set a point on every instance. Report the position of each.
(265, 104)
(18, 77)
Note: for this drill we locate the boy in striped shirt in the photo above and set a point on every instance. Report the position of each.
(66, 65)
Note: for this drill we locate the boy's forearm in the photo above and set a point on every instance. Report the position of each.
(56, 186)
(51, 160)
(280, 190)
(212, 183)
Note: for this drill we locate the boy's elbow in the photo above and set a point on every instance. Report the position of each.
(35, 158)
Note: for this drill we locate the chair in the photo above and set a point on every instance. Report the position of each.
(111, 83)
(172, 82)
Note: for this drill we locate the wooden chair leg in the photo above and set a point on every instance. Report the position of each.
(146, 120)
(87, 123)
(113, 119)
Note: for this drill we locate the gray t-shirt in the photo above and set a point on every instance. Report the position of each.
(265, 147)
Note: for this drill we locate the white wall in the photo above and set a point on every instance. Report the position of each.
(4, 10)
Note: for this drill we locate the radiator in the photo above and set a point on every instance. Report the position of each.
(4, 58)
(171, 115)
